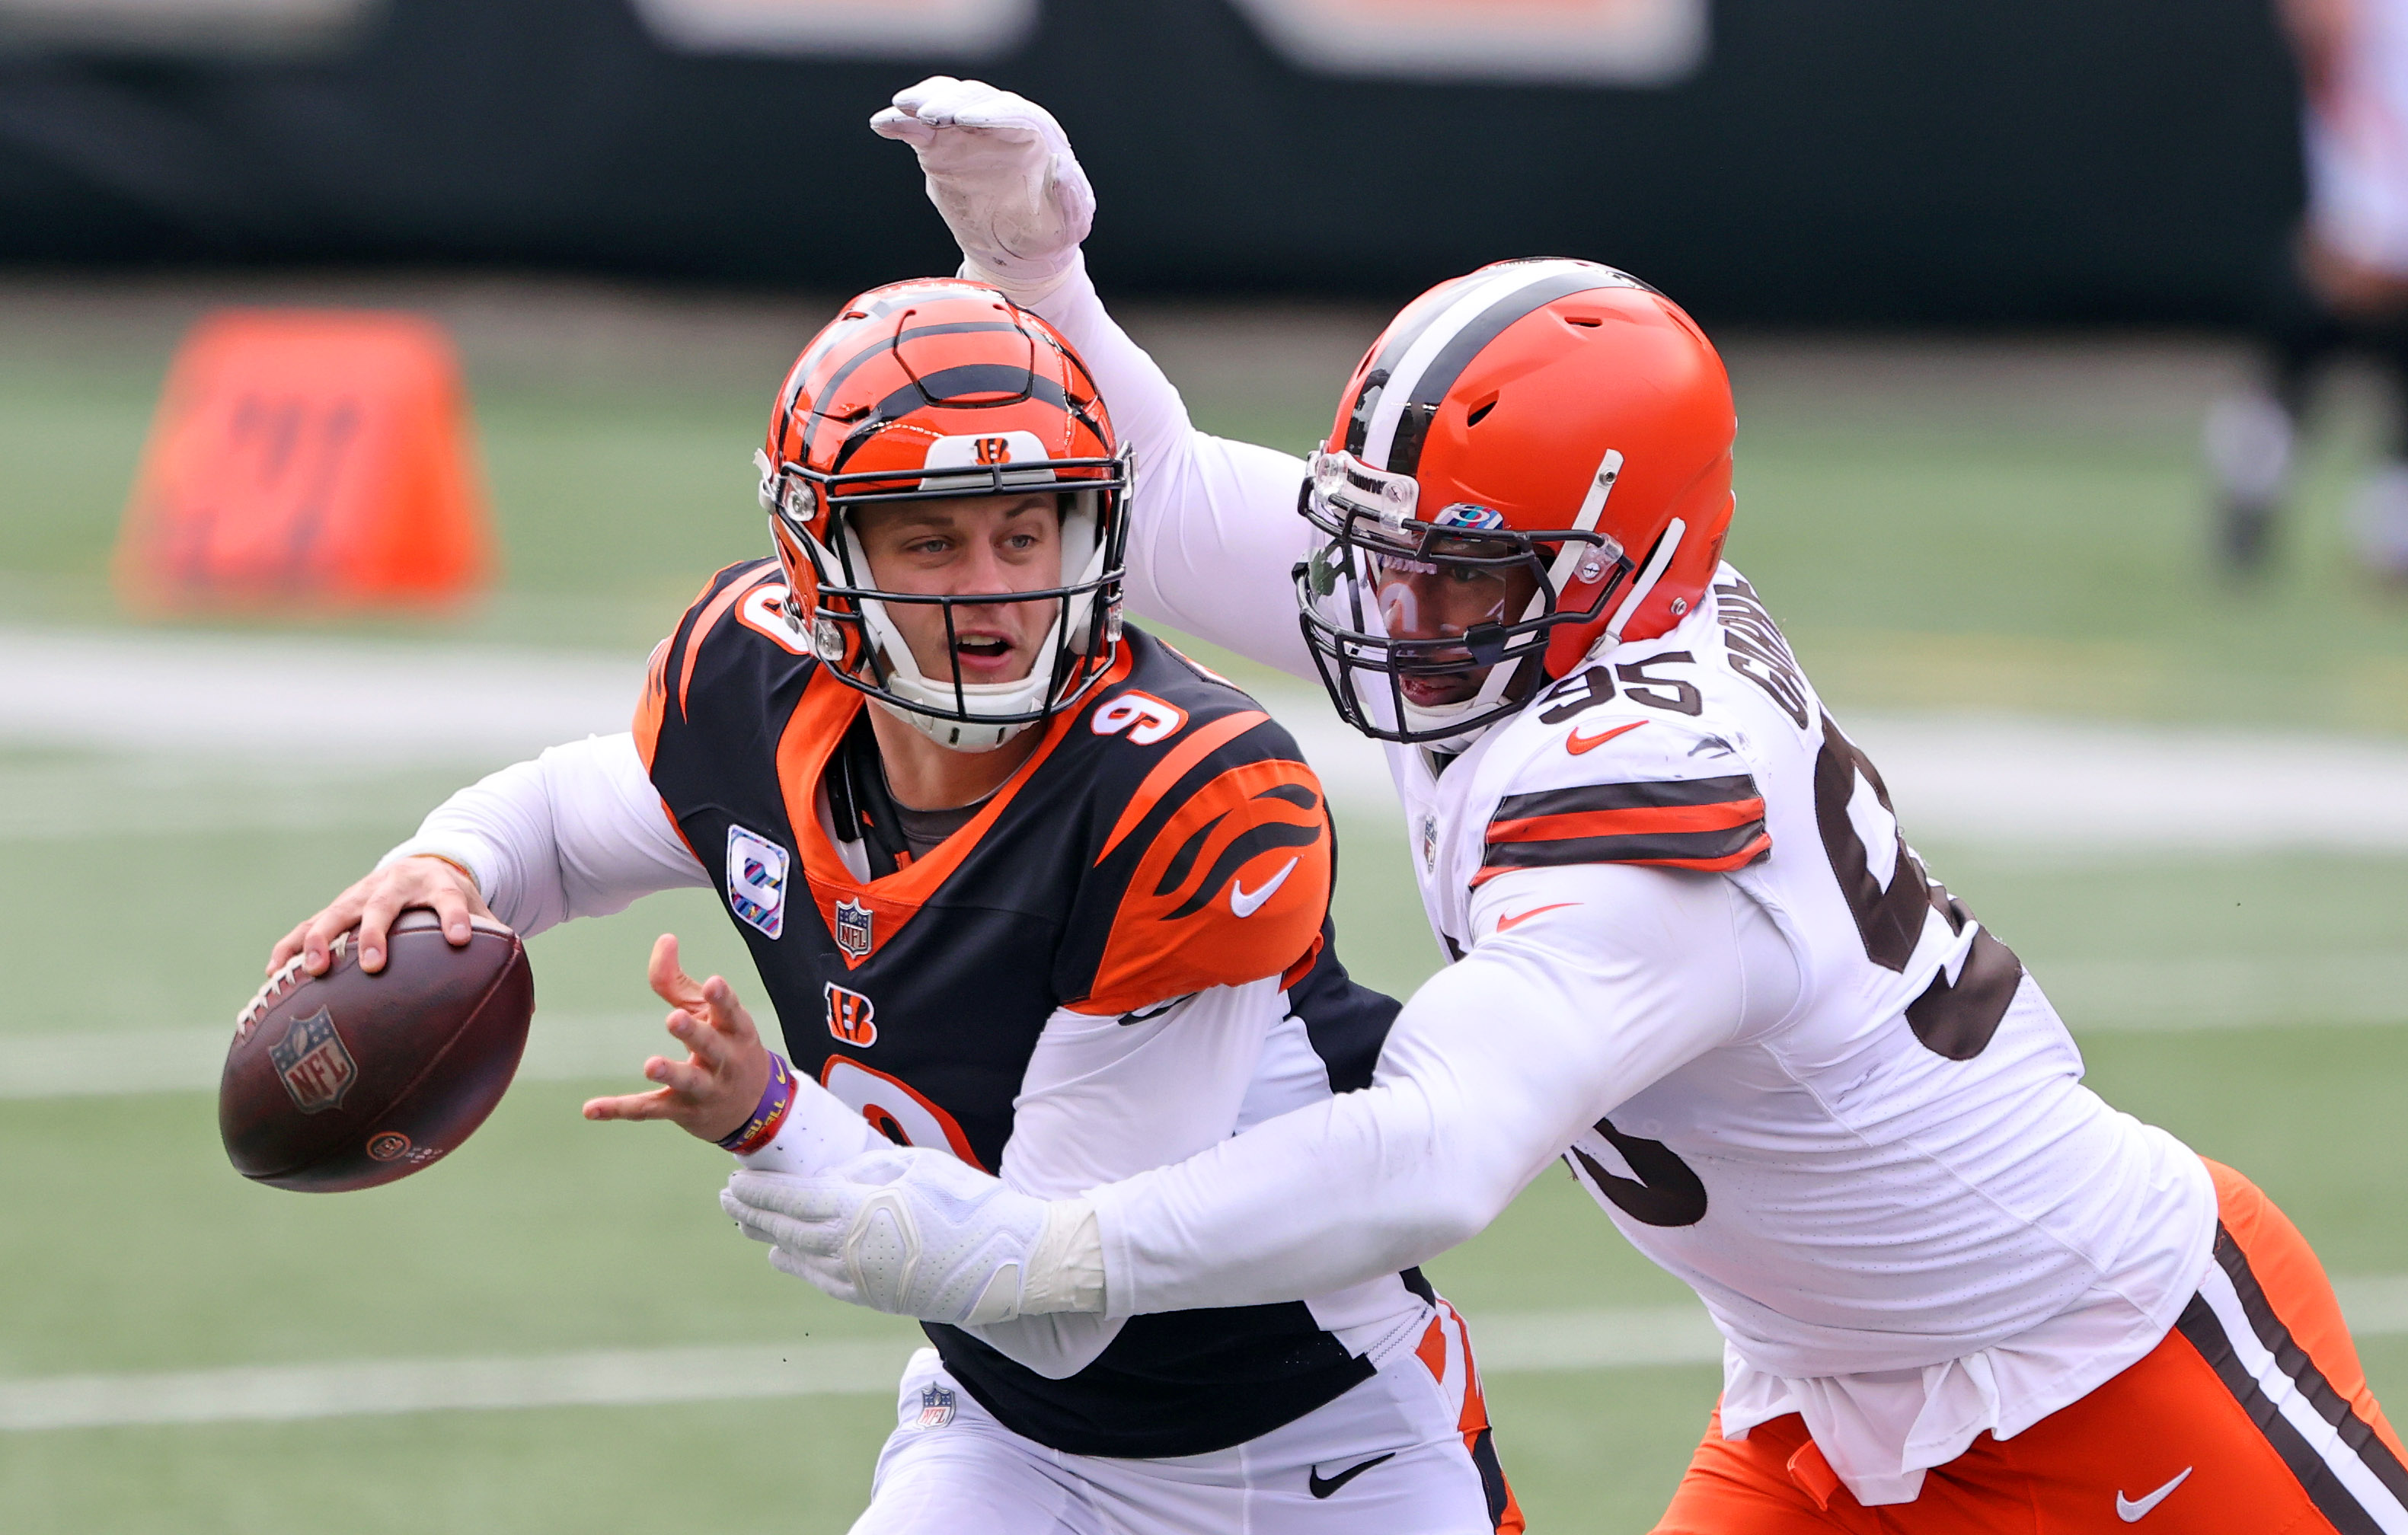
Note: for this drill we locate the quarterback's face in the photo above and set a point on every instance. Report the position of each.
(968, 546)
(1422, 599)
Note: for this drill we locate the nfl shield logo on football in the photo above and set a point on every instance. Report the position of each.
(936, 1407)
(757, 879)
(853, 928)
(315, 1068)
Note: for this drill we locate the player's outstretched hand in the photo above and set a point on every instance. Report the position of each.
(372, 903)
(1001, 172)
(714, 1089)
(914, 1232)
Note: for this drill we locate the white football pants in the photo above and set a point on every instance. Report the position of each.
(965, 1471)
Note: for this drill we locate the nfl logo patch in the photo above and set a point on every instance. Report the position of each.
(315, 1068)
(757, 879)
(853, 928)
(1429, 842)
(936, 1407)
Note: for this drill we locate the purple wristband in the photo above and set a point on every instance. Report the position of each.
(768, 1116)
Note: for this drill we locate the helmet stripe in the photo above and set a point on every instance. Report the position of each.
(1394, 342)
(1421, 406)
(1484, 309)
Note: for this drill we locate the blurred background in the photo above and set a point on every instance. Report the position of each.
(2068, 406)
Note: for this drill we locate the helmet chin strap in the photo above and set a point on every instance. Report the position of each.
(941, 719)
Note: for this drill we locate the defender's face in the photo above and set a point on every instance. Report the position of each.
(969, 546)
(1436, 599)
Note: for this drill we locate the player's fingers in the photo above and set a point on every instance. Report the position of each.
(796, 1198)
(669, 982)
(658, 1105)
(286, 947)
(827, 1274)
(687, 1081)
(376, 919)
(710, 1046)
(903, 127)
(318, 936)
(910, 98)
(725, 1013)
(451, 909)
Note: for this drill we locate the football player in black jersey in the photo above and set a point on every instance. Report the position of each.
(1022, 883)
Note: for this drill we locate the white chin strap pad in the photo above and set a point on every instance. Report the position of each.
(1083, 559)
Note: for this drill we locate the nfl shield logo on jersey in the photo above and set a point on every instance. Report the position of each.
(853, 928)
(936, 1407)
(316, 1068)
(757, 879)
(1429, 842)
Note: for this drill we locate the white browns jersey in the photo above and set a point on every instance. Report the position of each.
(1903, 1168)
(1696, 961)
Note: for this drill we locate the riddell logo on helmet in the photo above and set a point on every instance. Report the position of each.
(993, 451)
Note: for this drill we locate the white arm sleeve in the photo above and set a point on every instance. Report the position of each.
(1214, 531)
(578, 832)
(1101, 1099)
(1489, 1071)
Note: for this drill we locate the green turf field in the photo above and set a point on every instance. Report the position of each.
(1938, 527)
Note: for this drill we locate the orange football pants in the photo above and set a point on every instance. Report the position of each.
(2251, 1418)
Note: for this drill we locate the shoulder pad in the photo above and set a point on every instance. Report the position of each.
(1216, 868)
(668, 677)
(1625, 767)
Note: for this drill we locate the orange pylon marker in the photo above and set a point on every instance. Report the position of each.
(307, 461)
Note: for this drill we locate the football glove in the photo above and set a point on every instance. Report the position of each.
(915, 1232)
(1001, 172)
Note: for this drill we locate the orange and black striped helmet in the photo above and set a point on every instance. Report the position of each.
(930, 389)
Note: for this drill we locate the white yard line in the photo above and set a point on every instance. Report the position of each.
(1508, 1343)
(293, 707)
(297, 700)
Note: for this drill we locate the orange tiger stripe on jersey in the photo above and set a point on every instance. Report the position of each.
(706, 623)
(649, 705)
(1232, 888)
(1446, 1336)
(1173, 766)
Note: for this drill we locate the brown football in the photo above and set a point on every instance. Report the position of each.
(349, 1080)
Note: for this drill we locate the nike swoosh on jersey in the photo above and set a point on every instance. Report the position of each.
(1245, 903)
(1577, 743)
(2133, 1512)
(1323, 1489)
(1520, 918)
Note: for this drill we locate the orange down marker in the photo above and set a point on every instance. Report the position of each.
(307, 460)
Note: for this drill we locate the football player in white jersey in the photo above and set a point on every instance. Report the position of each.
(1696, 959)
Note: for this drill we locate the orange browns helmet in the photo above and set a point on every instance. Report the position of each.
(1552, 419)
(940, 388)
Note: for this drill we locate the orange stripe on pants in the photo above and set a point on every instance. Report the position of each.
(2233, 1461)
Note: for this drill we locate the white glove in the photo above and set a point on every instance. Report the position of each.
(1001, 172)
(916, 1232)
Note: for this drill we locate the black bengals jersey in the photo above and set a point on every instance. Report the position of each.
(1163, 839)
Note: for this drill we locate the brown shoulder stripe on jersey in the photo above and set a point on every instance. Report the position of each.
(1712, 824)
